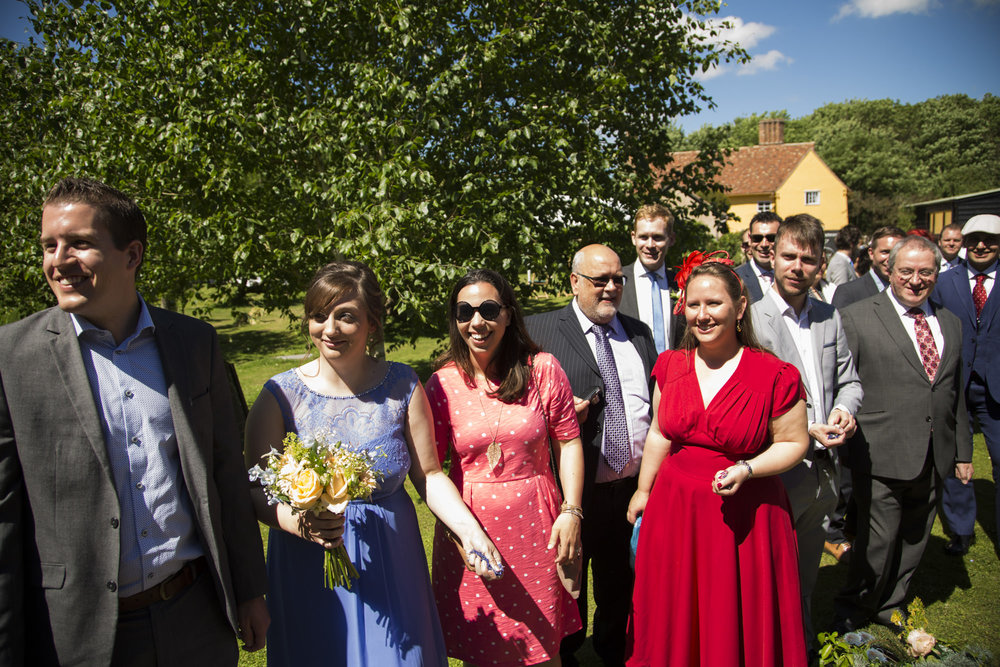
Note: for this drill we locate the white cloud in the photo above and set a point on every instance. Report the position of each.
(747, 35)
(767, 61)
(873, 9)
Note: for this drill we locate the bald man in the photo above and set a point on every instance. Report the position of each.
(608, 358)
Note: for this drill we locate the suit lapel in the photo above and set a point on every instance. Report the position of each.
(69, 361)
(174, 359)
(569, 326)
(886, 314)
(963, 292)
(952, 340)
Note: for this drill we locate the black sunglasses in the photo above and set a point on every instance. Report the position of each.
(601, 283)
(489, 310)
(757, 238)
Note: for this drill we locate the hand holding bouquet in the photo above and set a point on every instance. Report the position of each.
(317, 477)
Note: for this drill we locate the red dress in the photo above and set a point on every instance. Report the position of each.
(521, 618)
(716, 579)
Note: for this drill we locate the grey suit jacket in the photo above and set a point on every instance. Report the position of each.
(630, 306)
(59, 511)
(833, 364)
(902, 409)
(840, 271)
(854, 291)
(558, 332)
(749, 277)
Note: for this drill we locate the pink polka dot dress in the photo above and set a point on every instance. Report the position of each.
(521, 618)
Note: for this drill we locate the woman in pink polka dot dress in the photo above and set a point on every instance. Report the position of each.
(496, 400)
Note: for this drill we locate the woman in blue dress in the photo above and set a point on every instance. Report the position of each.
(388, 617)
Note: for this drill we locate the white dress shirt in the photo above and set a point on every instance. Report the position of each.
(765, 283)
(990, 274)
(635, 393)
(910, 325)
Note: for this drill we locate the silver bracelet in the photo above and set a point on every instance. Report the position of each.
(745, 464)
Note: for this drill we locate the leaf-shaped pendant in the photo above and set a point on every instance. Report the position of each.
(493, 454)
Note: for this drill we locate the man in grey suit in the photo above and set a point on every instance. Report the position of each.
(127, 536)
(841, 267)
(877, 278)
(613, 407)
(758, 273)
(913, 430)
(646, 294)
(809, 334)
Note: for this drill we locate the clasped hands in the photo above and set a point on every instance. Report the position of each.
(838, 428)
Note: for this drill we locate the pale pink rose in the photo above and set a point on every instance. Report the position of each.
(921, 643)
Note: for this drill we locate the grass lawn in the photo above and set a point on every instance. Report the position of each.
(961, 595)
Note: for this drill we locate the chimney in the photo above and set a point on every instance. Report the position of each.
(771, 131)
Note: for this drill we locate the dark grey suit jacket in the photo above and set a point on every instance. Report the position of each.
(630, 306)
(854, 291)
(558, 332)
(59, 511)
(749, 277)
(902, 410)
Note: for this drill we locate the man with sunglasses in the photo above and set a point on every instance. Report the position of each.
(608, 358)
(646, 294)
(758, 273)
(969, 291)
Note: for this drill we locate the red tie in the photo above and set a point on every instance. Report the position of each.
(979, 294)
(925, 340)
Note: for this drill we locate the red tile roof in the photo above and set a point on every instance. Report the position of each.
(755, 169)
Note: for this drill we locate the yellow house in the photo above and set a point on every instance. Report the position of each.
(775, 176)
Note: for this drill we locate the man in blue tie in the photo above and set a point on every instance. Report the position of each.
(646, 295)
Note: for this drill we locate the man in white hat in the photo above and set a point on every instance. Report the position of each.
(969, 292)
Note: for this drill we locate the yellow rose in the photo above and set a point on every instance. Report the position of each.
(306, 489)
(335, 494)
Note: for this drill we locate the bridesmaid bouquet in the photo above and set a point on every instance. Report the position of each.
(316, 476)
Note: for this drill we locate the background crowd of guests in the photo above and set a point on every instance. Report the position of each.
(734, 421)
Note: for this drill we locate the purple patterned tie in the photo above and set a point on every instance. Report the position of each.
(617, 451)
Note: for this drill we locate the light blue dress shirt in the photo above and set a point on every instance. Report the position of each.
(157, 528)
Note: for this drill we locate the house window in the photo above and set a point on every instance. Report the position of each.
(812, 197)
(763, 206)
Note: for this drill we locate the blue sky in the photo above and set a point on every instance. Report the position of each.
(807, 53)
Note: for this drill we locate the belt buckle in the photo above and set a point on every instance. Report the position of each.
(162, 587)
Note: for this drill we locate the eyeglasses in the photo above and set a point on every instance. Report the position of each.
(757, 238)
(601, 283)
(906, 274)
(488, 310)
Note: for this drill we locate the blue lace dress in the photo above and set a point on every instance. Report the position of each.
(389, 616)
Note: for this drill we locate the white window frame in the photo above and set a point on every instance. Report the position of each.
(764, 206)
(812, 203)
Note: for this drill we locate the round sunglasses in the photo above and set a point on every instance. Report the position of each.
(488, 310)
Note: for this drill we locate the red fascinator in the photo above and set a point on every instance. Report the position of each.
(693, 260)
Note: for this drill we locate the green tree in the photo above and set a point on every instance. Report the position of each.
(423, 137)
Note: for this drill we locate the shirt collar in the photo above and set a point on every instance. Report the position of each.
(903, 311)
(586, 324)
(990, 271)
(786, 309)
(877, 280)
(80, 324)
(759, 270)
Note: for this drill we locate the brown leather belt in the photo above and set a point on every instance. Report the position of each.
(167, 588)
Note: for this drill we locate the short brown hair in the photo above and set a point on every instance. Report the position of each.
(339, 280)
(804, 230)
(114, 209)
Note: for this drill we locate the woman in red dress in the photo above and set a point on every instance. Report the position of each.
(716, 579)
(496, 402)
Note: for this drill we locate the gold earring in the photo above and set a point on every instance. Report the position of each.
(739, 329)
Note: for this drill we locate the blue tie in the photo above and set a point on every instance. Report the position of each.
(617, 449)
(658, 337)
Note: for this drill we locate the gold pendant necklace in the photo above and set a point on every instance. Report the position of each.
(494, 451)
